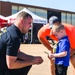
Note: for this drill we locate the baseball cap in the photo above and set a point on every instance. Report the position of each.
(53, 20)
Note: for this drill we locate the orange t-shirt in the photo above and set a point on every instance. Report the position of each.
(70, 31)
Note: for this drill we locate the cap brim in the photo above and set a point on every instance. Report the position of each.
(51, 32)
(50, 26)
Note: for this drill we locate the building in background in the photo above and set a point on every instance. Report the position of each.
(8, 8)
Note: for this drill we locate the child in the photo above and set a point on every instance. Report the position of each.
(62, 53)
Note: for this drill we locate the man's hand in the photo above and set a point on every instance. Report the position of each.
(37, 60)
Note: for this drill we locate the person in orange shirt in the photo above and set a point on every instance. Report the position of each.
(46, 30)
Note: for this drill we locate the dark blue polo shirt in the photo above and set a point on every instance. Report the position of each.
(9, 44)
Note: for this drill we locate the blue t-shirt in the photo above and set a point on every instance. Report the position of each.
(63, 45)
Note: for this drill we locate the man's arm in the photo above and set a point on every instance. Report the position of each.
(42, 37)
(72, 51)
(24, 56)
(22, 60)
(45, 42)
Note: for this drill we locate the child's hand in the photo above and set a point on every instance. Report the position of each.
(50, 55)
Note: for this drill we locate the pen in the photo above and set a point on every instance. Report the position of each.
(45, 52)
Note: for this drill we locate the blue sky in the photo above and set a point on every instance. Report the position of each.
(68, 5)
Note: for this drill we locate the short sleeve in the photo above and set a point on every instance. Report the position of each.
(12, 46)
(65, 45)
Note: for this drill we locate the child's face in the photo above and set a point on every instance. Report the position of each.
(59, 35)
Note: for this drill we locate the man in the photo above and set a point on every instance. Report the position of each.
(12, 60)
(46, 30)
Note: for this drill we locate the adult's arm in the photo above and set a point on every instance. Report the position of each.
(42, 37)
(45, 42)
(72, 51)
(14, 63)
(21, 55)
